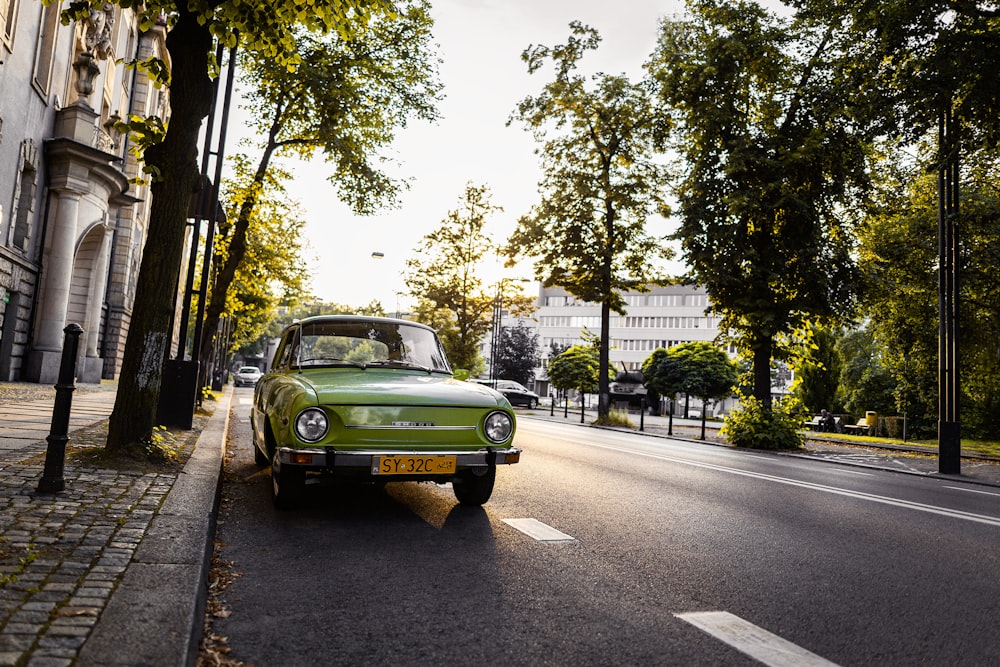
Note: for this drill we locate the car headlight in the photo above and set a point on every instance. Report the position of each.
(311, 425)
(498, 426)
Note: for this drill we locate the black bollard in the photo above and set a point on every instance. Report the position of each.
(552, 404)
(55, 455)
(642, 413)
(566, 407)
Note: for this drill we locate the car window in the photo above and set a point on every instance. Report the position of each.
(362, 342)
(283, 355)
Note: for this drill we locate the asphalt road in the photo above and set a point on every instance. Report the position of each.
(638, 551)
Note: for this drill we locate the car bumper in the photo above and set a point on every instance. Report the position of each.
(364, 463)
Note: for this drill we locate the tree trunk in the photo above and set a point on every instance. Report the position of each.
(762, 372)
(176, 177)
(603, 386)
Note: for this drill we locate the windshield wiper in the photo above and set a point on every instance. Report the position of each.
(403, 364)
(319, 361)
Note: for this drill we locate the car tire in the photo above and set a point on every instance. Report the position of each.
(287, 487)
(473, 489)
(532, 403)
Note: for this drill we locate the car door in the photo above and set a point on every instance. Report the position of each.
(263, 395)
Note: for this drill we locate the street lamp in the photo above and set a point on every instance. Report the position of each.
(497, 326)
(378, 254)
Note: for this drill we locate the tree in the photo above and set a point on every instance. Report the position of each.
(922, 58)
(192, 28)
(517, 354)
(273, 269)
(698, 369)
(576, 368)
(663, 375)
(602, 182)
(866, 381)
(346, 99)
(817, 372)
(775, 142)
(443, 275)
(898, 256)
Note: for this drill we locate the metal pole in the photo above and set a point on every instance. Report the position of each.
(949, 426)
(214, 202)
(495, 331)
(55, 454)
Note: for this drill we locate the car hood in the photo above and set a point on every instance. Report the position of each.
(350, 386)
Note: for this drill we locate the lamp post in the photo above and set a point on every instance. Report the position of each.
(496, 333)
(495, 330)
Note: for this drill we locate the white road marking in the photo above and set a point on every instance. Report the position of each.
(856, 472)
(244, 400)
(885, 500)
(756, 642)
(960, 488)
(538, 530)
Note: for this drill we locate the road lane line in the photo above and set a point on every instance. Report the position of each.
(960, 488)
(755, 642)
(885, 500)
(538, 530)
(856, 472)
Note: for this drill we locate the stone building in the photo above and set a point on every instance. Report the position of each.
(72, 223)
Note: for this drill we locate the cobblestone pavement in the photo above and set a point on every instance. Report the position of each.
(63, 555)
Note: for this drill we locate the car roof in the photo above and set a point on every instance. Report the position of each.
(355, 318)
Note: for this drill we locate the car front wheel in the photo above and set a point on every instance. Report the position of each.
(533, 403)
(287, 487)
(473, 489)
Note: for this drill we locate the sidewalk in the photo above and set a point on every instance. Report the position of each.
(112, 570)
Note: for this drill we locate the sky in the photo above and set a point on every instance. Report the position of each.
(480, 44)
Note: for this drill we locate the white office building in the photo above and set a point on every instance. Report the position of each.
(662, 317)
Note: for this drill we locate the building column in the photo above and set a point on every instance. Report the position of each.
(43, 366)
(92, 366)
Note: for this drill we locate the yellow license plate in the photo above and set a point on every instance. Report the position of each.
(409, 464)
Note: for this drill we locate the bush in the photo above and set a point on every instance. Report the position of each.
(753, 427)
(615, 417)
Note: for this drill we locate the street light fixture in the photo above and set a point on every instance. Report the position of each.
(378, 255)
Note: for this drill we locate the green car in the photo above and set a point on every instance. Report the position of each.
(374, 399)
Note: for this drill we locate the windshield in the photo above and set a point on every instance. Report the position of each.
(369, 343)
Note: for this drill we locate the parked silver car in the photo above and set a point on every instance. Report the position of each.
(247, 376)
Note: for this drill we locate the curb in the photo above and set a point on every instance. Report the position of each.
(156, 614)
